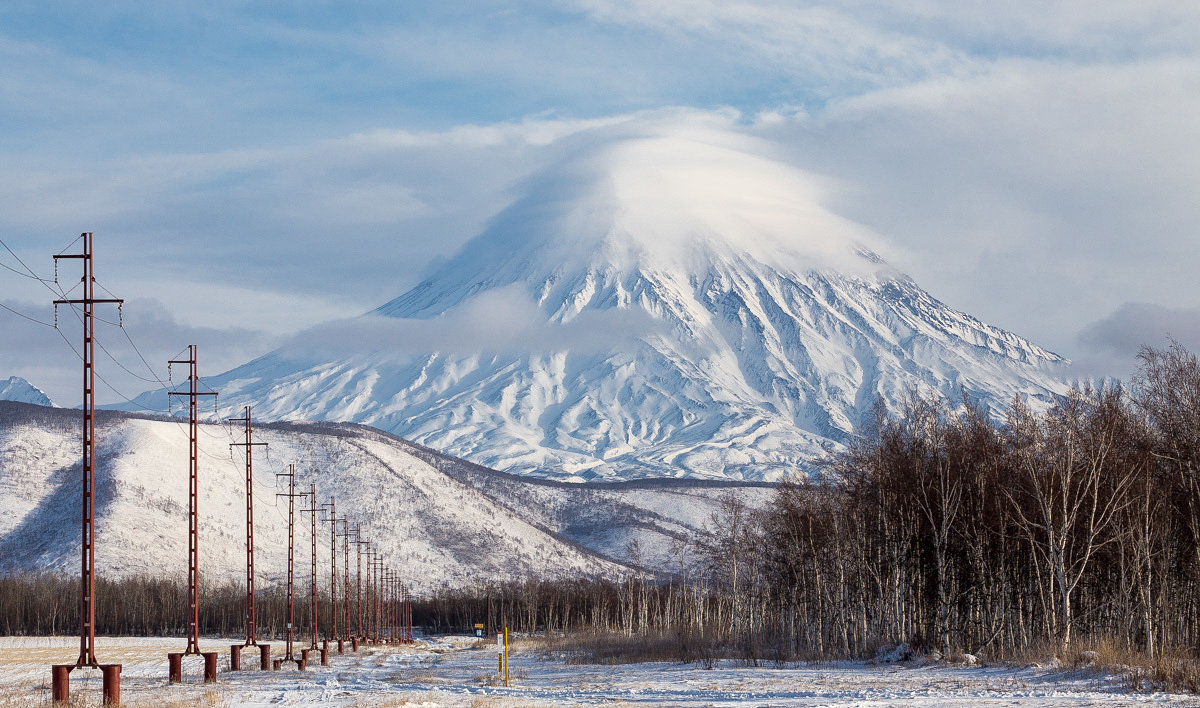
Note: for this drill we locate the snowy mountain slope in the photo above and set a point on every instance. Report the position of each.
(15, 388)
(438, 528)
(666, 305)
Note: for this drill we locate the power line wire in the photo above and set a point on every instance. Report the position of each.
(124, 368)
(57, 290)
(72, 243)
(139, 353)
(6, 266)
(14, 255)
(31, 319)
(156, 411)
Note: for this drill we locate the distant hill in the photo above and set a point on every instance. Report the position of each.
(15, 388)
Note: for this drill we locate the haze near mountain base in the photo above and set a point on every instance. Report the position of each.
(667, 301)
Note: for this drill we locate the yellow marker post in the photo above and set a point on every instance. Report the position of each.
(506, 656)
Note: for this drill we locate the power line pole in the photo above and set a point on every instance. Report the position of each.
(370, 604)
(345, 534)
(390, 608)
(377, 625)
(385, 597)
(408, 615)
(291, 565)
(193, 646)
(408, 626)
(313, 510)
(331, 509)
(401, 609)
(87, 577)
(372, 595)
(490, 628)
(358, 578)
(235, 654)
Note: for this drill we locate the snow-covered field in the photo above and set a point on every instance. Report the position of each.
(461, 671)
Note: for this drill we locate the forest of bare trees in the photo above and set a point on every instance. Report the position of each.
(938, 526)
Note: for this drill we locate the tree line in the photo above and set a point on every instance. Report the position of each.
(39, 604)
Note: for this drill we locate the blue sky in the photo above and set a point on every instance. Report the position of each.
(250, 170)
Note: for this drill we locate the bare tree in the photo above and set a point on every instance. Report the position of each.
(1068, 490)
(1167, 390)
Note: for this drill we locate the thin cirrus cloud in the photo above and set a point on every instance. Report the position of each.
(958, 28)
(825, 45)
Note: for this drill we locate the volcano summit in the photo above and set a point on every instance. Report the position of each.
(667, 304)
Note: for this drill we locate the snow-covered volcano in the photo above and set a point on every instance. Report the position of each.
(673, 304)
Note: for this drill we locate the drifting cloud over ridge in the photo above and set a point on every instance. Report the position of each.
(499, 321)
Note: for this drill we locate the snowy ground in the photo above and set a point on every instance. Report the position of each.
(459, 671)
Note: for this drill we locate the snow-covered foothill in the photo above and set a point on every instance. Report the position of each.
(437, 520)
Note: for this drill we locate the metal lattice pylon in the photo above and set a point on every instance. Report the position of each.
(193, 646)
(87, 575)
(251, 623)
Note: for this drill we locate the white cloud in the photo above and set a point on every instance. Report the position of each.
(1037, 196)
(815, 41)
(1032, 163)
(926, 33)
(285, 235)
(499, 321)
